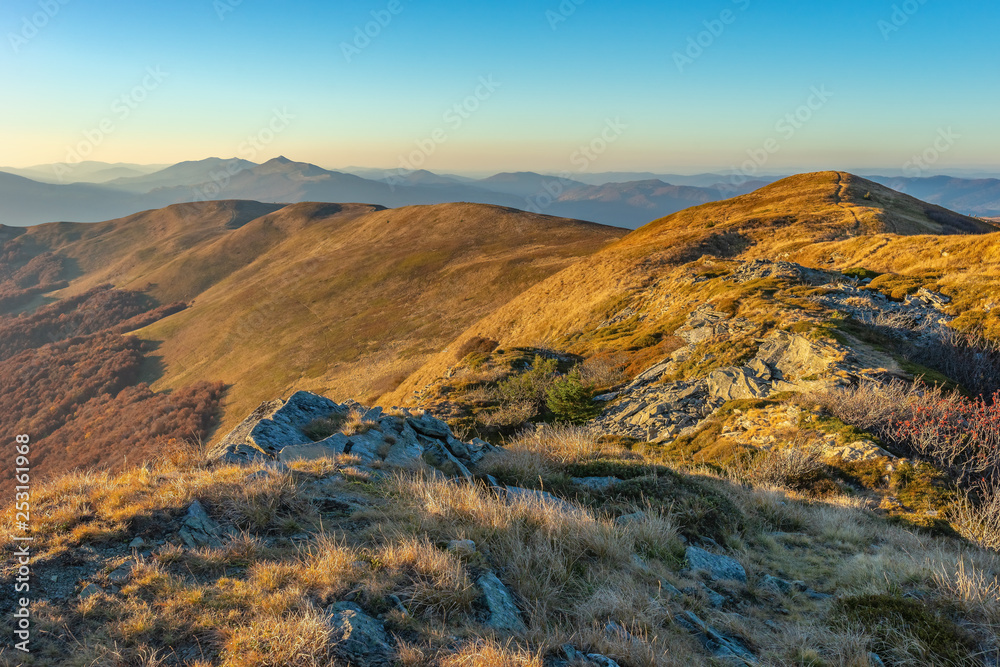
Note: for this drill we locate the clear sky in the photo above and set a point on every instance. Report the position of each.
(157, 82)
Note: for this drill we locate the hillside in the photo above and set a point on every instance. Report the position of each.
(757, 432)
(347, 299)
(803, 217)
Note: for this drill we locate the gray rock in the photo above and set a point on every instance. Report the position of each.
(875, 660)
(273, 426)
(90, 590)
(731, 649)
(330, 448)
(597, 483)
(731, 384)
(462, 547)
(794, 357)
(439, 456)
(715, 599)
(430, 426)
(122, 573)
(137, 543)
(776, 585)
(284, 427)
(720, 567)
(629, 519)
(199, 529)
(357, 637)
(504, 615)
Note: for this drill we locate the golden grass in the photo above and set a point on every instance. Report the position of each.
(259, 601)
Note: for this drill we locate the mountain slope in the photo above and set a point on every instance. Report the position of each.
(25, 202)
(344, 298)
(803, 215)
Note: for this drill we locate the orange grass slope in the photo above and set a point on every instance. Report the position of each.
(349, 304)
(801, 218)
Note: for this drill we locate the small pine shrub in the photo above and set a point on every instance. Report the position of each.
(570, 400)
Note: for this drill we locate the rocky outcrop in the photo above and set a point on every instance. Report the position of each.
(284, 432)
(653, 408)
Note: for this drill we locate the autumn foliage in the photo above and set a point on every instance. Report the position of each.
(71, 380)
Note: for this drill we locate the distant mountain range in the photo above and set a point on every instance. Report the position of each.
(95, 191)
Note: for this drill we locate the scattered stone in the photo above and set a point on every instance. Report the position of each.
(504, 614)
(137, 543)
(357, 637)
(90, 590)
(199, 529)
(462, 548)
(122, 572)
(629, 519)
(720, 567)
(731, 649)
(398, 604)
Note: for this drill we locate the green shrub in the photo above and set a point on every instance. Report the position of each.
(570, 400)
(530, 386)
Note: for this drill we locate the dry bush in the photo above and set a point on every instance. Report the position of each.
(563, 443)
(959, 434)
(889, 319)
(787, 467)
(973, 589)
(605, 369)
(538, 453)
(508, 414)
(538, 547)
(977, 516)
(477, 345)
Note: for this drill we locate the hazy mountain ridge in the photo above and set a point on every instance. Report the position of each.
(622, 199)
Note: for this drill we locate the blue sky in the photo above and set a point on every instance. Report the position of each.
(158, 82)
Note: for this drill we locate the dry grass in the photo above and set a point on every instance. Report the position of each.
(491, 653)
(356, 424)
(977, 516)
(257, 601)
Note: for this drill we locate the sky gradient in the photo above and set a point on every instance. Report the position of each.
(154, 82)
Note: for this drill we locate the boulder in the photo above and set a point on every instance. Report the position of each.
(358, 638)
(504, 614)
(720, 567)
(199, 529)
(860, 450)
(793, 357)
(430, 426)
(730, 384)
